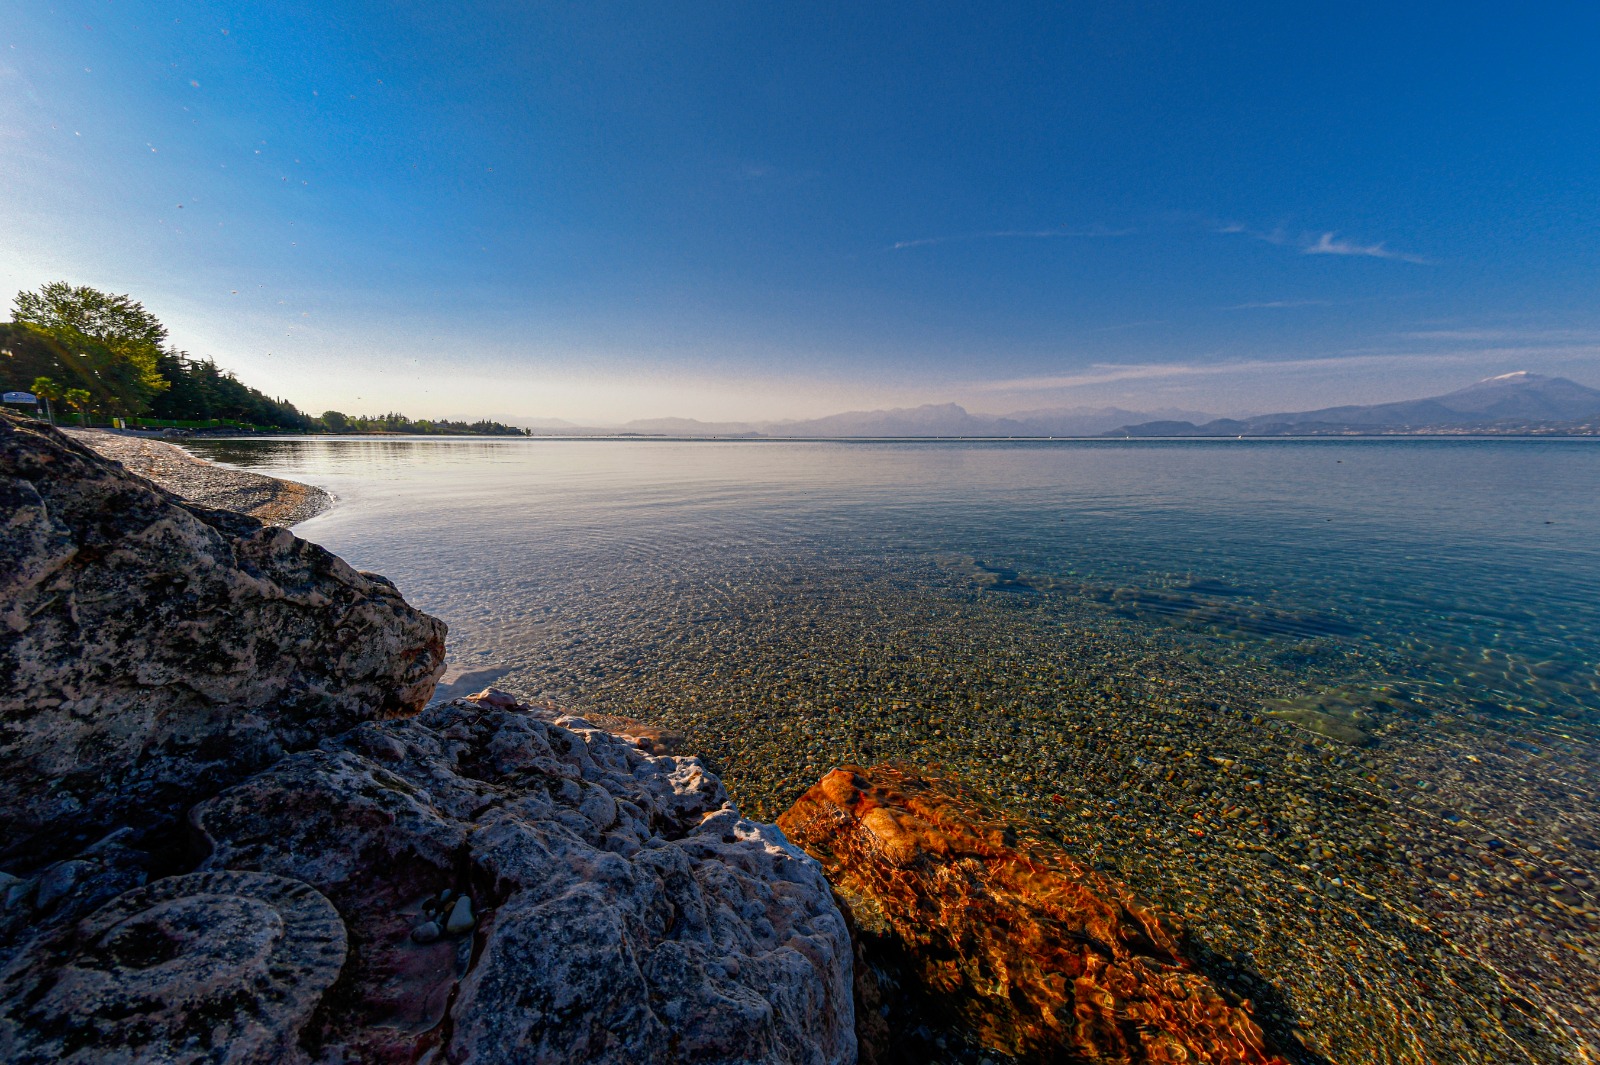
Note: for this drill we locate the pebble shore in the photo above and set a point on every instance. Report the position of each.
(267, 499)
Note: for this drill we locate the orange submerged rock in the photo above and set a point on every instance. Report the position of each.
(1040, 957)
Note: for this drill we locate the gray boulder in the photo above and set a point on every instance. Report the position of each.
(153, 652)
(620, 908)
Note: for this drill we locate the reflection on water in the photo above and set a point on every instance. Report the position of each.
(1332, 702)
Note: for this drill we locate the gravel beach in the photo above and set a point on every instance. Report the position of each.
(267, 499)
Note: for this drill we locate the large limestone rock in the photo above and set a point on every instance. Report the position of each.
(519, 886)
(960, 917)
(153, 652)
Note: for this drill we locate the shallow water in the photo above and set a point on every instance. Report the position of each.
(1334, 703)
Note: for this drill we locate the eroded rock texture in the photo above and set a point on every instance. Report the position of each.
(623, 910)
(1040, 957)
(208, 967)
(153, 652)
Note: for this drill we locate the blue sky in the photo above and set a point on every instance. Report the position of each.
(602, 211)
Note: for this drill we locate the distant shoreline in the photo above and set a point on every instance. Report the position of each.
(1102, 438)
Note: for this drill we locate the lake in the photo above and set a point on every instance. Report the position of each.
(1332, 704)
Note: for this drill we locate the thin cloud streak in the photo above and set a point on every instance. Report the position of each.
(1229, 229)
(1267, 305)
(1105, 373)
(1330, 244)
(1003, 234)
(1325, 243)
(1496, 335)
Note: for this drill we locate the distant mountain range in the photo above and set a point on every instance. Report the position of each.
(930, 420)
(1512, 402)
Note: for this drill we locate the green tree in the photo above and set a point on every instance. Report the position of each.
(336, 421)
(78, 399)
(59, 306)
(47, 390)
(201, 390)
(77, 315)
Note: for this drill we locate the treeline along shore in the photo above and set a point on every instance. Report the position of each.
(93, 358)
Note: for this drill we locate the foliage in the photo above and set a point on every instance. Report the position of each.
(107, 355)
(59, 307)
(398, 423)
(79, 400)
(200, 390)
(113, 349)
(27, 351)
(50, 392)
(116, 332)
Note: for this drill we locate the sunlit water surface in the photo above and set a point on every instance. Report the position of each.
(1333, 703)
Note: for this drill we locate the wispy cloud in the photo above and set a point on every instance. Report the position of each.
(1324, 243)
(1330, 244)
(1120, 326)
(1003, 234)
(1107, 373)
(1267, 236)
(1267, 305)
(1500, 336)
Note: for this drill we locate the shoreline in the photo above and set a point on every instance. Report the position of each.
(270, 500)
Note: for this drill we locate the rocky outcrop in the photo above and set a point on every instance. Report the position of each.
(153, 652)
(484, 883)
(519, 886)
(1039, 957)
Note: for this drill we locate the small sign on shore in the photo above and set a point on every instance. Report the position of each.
(19, 397)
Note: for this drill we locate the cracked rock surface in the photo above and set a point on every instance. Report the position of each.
(625, 912)
(153, 651)
(963, 918)
(207, 967)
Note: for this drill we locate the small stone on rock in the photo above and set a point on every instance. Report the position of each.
(461, 917)
(59, 881)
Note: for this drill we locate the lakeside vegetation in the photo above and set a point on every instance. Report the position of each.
(102, 357)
